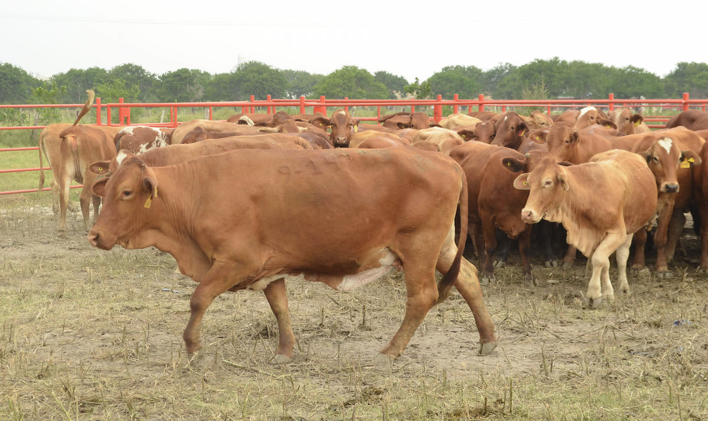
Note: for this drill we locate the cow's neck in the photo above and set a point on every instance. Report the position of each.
(572, 214)
(173, 230)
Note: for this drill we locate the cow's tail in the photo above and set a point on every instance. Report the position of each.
(87, 106)
(41, 164)
(451, 276)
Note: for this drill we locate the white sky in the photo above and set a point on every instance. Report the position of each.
(410, 39)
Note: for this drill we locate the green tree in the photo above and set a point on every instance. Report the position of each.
(491, 78)
(135, 75)
(260, 80)
(632, 82)
(116, 88)
(352, 82)
(16, 85)
(451, 80)
(183, 85)
(77, 81)
(300, 83)
(395, 84)
(419, 90)
(687, 77)
(48, 93)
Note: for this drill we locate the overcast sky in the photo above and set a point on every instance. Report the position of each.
(411, 39)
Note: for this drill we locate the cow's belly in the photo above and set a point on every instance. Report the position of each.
(374, 266)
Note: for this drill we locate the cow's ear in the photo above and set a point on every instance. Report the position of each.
(522, 182)
(565, 163)
(636, 120)
(466, 134)
(513, 164)
(539, 136)
(321, 122)
(607, 123)
(563, 181)
(150, 185)
(99, 187)
(690, 159)
(574, 137)
(100, 167)
(522, 129)
(646, 155)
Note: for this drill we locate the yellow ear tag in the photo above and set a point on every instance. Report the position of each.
(637, 123)
(356, 128)
(148, 202)
(686, 164)
(508, 164)
(522, 133)
(538, 137)
(100, 169)
(525, 182)
(609, 127)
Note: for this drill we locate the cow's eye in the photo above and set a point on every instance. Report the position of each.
(656, 159)
(127, 193)
(547, 183)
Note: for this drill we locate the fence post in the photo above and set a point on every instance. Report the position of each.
(481, 102)
(252, 108)
(346, 106)
(98, 112)
(549, 109)
(268, 108)
(685, 99)
(108, 116)
(437, 110)
(321, 108)
(121, 118)
(302, 104)
(175, 123)
(412, 109)
(611, 104)
(456, 97)
(211, 116)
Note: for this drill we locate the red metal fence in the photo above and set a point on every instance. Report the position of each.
(271, 106)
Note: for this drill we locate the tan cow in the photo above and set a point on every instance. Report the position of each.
(210, 126)
(537, 120)
(601, 204)
(263, 228)
(374, 140)
(458, 120)
(591, 115)
(627, 122)
(444, 138)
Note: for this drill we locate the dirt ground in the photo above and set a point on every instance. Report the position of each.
(90, 334)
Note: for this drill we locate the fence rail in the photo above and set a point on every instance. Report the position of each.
(322, 104)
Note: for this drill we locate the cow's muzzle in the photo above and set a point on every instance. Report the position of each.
(341, 142)
(98, 241)
(670, 187)
(530, 216)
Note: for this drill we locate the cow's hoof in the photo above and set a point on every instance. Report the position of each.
(529, 278)
(664, 275)
(486, 279)
(487, 348)
(282, 359)
(624, 292)
(609, 298)
(551, 263)
(567, 265)
(499, 264)
(702, 270)
(592, 303)
(383, 360)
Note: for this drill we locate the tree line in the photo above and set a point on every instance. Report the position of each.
(540, 79)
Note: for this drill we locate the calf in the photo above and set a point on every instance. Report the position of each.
(601, 204)
(139, 139)
(262, 230)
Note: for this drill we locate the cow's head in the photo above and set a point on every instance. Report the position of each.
(106, 168)
(510, 130)
(526, 164)
(342, 125)
(482, 132)
(129, 198)
(626, 121)
(591, 115)
(665, 160)
(561, 139)
(197, 134)
(547, 183)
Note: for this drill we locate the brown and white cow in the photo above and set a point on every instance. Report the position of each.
(139, 139)
(601, 204)
(591, 115)
(343, 127)
(262, 229)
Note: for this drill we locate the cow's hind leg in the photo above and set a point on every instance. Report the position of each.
(678, 221)
(622, 257)
(278, 301)
(601, 267)
(467, 284)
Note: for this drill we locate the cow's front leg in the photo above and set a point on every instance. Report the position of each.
(601, 269)
(221, 277)
(278, 301)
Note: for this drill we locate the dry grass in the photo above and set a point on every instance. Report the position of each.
(89, 334)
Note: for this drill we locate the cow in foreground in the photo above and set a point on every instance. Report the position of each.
(601, 204)
(263, 228)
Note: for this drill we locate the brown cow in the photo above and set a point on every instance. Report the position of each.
(404, 120)
(568, 117)
(670, 157)
(537, 120)
(139, 139)
(343, 127)
(375, 140)
(210, 126)
(691, 119)
(177, 154)
(252, 119)
(591, 115)
(262, 230)
(482, 132)
(627, 122)
(482, 115)
(700, 192)
(510, 131)
(601, 204)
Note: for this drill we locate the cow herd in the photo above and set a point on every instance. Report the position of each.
(244, 202)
